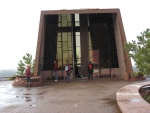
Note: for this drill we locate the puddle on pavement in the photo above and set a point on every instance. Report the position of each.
(39, 93)
(33, 105)
(27, 94)
(27, 99)
(9, 96)
(35, 94)
(135, 100)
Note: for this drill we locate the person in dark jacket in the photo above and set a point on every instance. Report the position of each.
(90, 71)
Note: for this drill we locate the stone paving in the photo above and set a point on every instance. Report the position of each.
(130, 101)
(77, 96)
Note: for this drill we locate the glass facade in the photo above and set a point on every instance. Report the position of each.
(63, 41)
(78, 48)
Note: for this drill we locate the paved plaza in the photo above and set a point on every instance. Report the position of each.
(78, 96)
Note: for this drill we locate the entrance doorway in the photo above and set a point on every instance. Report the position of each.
(68, 51)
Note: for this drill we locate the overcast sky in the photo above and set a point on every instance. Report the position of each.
(19, 22)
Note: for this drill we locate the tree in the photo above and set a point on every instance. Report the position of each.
(139, 51)
(20, 68)
(26, 59)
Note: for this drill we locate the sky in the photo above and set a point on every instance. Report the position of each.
(19, 23)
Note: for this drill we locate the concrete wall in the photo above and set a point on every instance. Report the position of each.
(40, 47)
(119, 46)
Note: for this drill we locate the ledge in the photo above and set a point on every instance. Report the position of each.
(21, 81)
(129, 99)
(137, 79)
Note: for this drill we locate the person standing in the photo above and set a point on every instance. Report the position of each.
(56, 70)
(68, 71)
(90, 71)
(28, 74)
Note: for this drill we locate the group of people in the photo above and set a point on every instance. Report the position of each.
(55, 69)
(68, 71)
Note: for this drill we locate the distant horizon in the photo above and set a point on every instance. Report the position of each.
(7, 73)
(9, 69)
(16, 68)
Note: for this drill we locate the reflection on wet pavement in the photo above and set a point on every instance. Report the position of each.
(81, 96)
(27, 98)
(135, 100)
(10, 95)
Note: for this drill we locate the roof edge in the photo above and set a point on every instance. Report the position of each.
(80, 11)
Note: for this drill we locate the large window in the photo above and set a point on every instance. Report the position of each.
(78, 48)
(64, 49)
(102, 46)
(77, 22)
(62, 40)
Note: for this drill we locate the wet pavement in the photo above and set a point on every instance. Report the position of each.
(77, 96)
